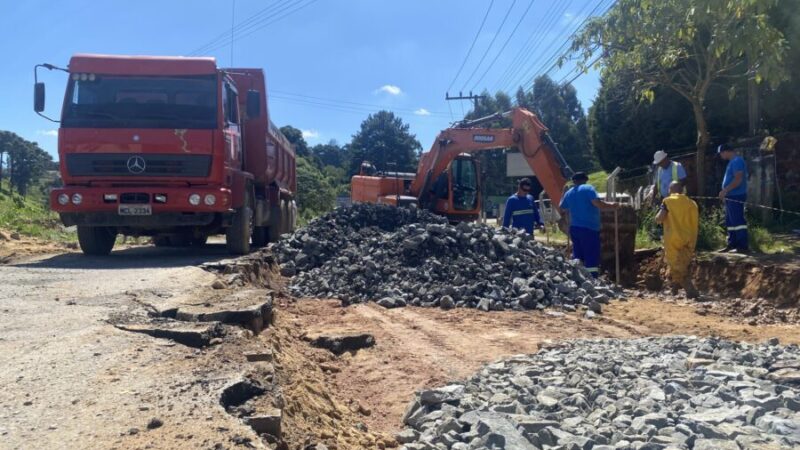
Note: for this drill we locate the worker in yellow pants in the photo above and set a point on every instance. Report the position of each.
(678, 214)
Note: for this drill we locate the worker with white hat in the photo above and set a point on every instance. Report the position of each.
(667, 172)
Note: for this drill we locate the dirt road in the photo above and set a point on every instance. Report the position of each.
(73, 380)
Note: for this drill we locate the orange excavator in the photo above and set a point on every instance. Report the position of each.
(447, 181)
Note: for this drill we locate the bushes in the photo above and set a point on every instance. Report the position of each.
(710, 233)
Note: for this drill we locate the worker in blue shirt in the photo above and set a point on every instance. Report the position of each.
(521, 210)
(734, 194)
(583, 206)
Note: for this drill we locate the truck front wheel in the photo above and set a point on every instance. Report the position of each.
(96, 241)
(237, 235)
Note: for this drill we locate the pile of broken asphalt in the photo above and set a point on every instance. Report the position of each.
(407, 256)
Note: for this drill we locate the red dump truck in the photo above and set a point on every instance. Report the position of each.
(169, 147)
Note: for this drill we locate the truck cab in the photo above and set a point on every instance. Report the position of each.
(160, 146)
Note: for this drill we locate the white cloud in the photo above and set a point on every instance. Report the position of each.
(422, 112)
(51, 133)
(389, 89)
(310, 134)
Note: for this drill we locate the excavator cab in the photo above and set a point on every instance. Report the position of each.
(457, 189)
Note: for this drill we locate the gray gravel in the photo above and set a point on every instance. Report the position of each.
(654, 393)
(399, 256)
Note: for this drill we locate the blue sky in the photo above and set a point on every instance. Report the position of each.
(329, 63)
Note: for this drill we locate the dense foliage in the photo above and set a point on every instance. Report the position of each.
(686, 46)
(25, 162)
(625, 131)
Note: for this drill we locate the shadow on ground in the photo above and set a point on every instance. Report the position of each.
(132, 258)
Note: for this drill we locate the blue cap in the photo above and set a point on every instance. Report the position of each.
(724, 148)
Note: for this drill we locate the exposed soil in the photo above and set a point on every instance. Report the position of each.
(74, 380)
(754, 289)
(14, 246)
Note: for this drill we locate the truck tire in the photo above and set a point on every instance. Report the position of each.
(161, 241)
(97, 241)
(260, 236)
(275, 221)
(237, 235)
(199, 241)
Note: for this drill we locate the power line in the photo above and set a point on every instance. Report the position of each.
(349, 108)
(278, 93)
(549, 21)
(502, 24)
(469, 52)
(556, 55)
(277, 13)
(513, 31)
(527, 72)
(265, 22)
(254, 17)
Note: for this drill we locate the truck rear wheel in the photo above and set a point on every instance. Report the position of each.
(97, 241)
(260, 236)
(275, 221)
(237, 235)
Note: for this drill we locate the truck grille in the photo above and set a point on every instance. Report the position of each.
(136, 198)
(138, 165)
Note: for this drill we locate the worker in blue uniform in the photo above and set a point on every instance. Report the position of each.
(521, 209)
(734, 195)
(583, 206)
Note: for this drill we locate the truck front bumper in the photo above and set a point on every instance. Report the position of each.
(169, 206)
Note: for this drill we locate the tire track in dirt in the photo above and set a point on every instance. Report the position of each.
(424, 347)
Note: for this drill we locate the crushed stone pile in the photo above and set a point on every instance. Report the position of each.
(400, 256)
(654, 393)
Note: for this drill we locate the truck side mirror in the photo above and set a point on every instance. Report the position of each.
(253, 104)
(38, 97)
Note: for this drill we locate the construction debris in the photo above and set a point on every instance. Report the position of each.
(613, 394)
(400, 256)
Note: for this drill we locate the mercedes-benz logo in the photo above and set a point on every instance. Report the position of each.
(136, 164)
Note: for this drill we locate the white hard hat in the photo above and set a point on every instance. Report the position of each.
(659, 156)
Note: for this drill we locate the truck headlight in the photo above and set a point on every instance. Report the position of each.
(194, 199)
(63, 199)
(210, 199)
(77, 199)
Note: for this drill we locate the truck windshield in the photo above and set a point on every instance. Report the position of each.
(465, 185)
(141, 102)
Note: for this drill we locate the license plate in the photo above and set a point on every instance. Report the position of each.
(135, 210)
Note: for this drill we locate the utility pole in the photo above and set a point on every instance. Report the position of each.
(461, 96)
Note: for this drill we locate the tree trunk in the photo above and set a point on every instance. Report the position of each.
(702, 144)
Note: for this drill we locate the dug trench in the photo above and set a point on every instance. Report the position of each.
(754, 289)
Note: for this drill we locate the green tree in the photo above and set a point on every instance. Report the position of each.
(560, 110)
(316, 192)
(295, 136)
(686, 45)
(330, 154)
(385, 141)
(27, 162)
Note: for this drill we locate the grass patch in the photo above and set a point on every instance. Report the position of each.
(30, 215)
